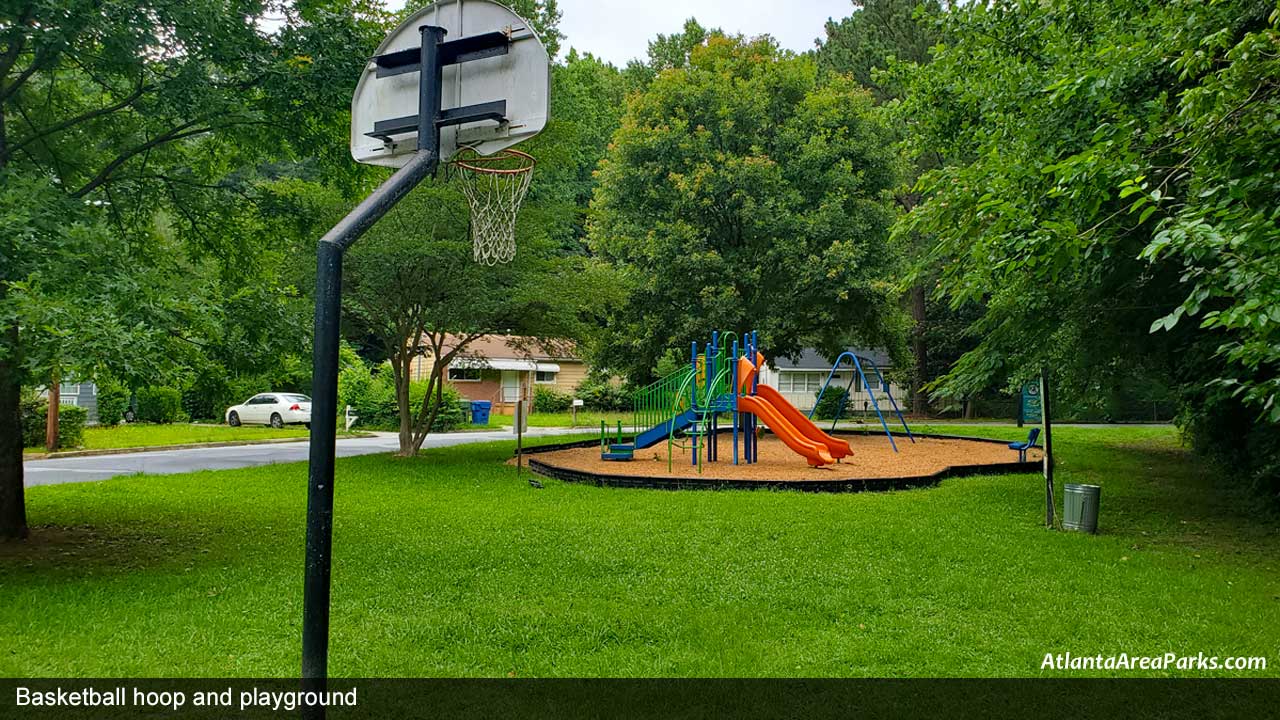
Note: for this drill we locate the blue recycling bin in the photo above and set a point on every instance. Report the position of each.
(480, 412)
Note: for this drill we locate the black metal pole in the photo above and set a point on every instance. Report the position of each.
(430, 84)
(324, 406)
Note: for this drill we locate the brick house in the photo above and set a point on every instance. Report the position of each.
(501, 369)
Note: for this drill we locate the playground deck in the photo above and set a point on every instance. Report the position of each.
(929, 459)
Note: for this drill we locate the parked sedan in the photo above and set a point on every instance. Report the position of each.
(274, 409)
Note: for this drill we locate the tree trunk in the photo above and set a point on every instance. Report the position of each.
(400, 363)
(13, 511)
(51, 415)
(436, 387)
(919, 348)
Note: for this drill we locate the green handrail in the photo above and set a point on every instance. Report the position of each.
(649, 404)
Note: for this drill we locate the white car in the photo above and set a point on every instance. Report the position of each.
(274, 409)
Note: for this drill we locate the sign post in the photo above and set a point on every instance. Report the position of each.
(1045, 416)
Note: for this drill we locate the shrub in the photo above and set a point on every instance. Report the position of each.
(373, 399)
(113, 401)
(603, 395)
(162, 405)
(550, 400)
(35, 419)
(833, 400)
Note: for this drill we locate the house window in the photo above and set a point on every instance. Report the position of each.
(790, 381)
(69, 389)
(464, 374)
(545, 377)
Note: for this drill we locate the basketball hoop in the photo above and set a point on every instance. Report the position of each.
(495, 186)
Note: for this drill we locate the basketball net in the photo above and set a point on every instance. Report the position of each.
(495, 186)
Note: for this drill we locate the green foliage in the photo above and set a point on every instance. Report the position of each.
(550, 400)
(373, 399)
(412, 285)
(741, 193)
(602, 394)
(35, 418)
(834, 400)
(879, 34)
(1105, 198)
(160, 405)
(113, 401)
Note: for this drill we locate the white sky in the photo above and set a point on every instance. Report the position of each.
(620, 30)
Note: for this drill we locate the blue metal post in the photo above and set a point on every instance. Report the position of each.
(889, 394)
(874, 404)
(755, 386)
(733, 370)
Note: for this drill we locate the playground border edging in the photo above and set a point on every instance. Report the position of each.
(842, 485)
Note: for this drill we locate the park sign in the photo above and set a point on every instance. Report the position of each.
(1032, 405)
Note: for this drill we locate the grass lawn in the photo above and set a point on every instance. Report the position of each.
(589, 421)
(449, 565)
(144, 435)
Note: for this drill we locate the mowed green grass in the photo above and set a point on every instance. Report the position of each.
(589, 421)
(147, 435)
(450, 565)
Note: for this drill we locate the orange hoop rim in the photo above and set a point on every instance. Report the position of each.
(471, 165)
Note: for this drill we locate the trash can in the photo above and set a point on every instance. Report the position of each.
(480, 412)
(1080, 507)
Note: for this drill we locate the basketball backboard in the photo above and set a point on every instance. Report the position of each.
(520, 77)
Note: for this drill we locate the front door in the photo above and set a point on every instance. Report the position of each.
(510, 386)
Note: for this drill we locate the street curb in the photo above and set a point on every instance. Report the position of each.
(162, 448)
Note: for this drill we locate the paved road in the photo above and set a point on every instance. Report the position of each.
(169, 462)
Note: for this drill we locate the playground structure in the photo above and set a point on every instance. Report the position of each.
(722, 383)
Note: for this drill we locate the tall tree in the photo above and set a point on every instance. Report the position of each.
(413, 287)
(119, 124)
(740, 193)
(879, 45)
(1110, 176)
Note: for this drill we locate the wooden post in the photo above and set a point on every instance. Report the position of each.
(1046, 413)
(51, 415)
(519, 433)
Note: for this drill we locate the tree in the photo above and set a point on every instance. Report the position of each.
(878, 35)
(1109, 176)
(880, 45)
(413, 287)
(739, 193)
(667, 52)
(125, 133)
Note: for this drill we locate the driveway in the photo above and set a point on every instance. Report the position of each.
(171, 462)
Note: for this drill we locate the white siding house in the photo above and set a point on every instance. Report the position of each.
(800, 380)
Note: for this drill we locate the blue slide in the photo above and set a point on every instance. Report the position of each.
(658, 433)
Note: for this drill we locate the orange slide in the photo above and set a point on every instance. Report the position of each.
(776, 417)
(837, 447)
(816, 454)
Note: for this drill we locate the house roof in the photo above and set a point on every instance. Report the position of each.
(527, 350)
(811, 359)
